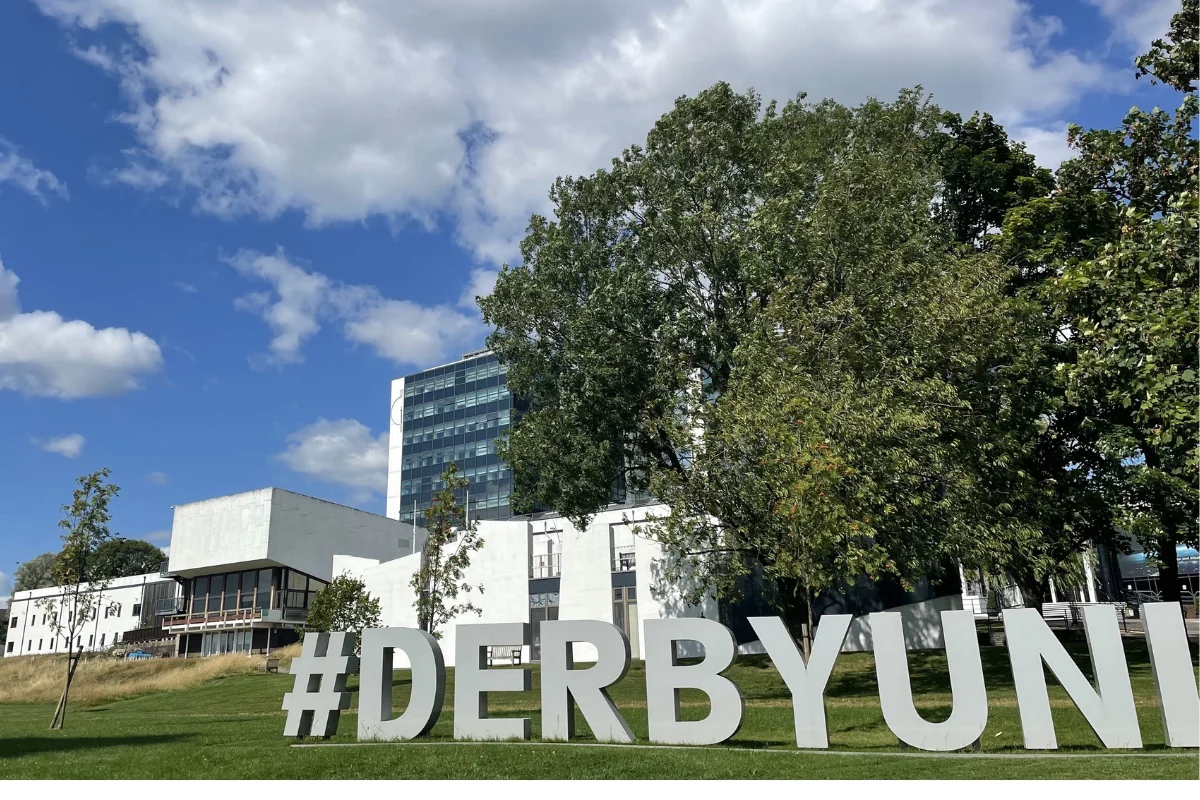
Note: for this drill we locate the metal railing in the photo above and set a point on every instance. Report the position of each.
(168, 605)
(214, 617)
(624, 559)
(545, 566)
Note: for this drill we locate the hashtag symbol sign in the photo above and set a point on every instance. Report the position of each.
(315, 704)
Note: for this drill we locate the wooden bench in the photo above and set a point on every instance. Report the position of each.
(273, 665)
(507, 654)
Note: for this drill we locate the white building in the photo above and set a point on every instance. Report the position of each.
(250, 564)
(124, 606)
(540, 568)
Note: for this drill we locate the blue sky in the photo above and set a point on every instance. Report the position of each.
(234, 223)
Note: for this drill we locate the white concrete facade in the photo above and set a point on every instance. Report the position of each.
(275, 527)
(251, 563)
(116, 611)
(511, 566)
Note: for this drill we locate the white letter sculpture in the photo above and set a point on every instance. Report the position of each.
(664, 679)
(969, 714)
(1174, 676)
(375, 721)
(806, 682)
(1108, 707)
(473, 680)
(319, 695)
(563, 686)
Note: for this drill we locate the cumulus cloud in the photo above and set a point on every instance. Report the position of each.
(467, 110)
(6, 587)
(342, 452)
(21, 172)
(1136, 23)
(159, 478)
(158, 536)
(299, 300)
(69, 446)
(43, 354)
(1048, 144)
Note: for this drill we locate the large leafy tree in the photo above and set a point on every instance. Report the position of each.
(1116, 247)
(36, 573)
(121, 558)
(758, 317)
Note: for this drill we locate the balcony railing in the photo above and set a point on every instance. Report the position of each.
(168, 605)
(624, 559)
(546, 566)
(213, 617)
(164, 570)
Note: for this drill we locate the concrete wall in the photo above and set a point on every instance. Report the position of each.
(502, 566)
(34, 633)
(395, 449)
(278, 527)
(306, 532)
(922, 625)
(225, 530)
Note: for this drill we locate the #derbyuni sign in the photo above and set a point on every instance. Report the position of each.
(320, 694)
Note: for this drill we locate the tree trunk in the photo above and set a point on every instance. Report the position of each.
(1168, 570)
(60, 713)
(810, 632)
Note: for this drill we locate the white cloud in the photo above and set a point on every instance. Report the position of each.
(6, 587)
(342, 452)
(1048, 144)
(186, 287)
(69, 446)
(43, 354)
(399, 330)
(481, 284)
(159, 478)
(470, 109)
(158, 536)
(1137, 23)
(20, 171)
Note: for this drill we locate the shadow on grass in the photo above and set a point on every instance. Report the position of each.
(34, 745)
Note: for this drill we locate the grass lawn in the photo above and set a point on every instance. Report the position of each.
(232, 728)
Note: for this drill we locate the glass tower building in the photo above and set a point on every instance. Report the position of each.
(454, 412)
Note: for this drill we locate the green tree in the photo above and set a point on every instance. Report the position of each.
(1116, 244)
(121, 558)
(444, 559)
(36, 573)
(344, 605)
(85, 530)
(984, 174)
(655, 326)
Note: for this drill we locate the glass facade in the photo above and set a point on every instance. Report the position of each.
(455, 413)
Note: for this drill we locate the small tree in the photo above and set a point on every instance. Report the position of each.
(344, 605)
(86, 529)
(445, 559)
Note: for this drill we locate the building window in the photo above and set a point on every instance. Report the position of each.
(12, 623)
(102, 639)
(10, 647)
(542, 606)
(137, 609)
(40, 643)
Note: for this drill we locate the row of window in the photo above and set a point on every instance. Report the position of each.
(491, 426)
(460, 402)
(253, 589)
(52, 647)
(474, 475)
(448, 454)
(465, 374)
(51, 618)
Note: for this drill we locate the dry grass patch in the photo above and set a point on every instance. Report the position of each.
(39, 679)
